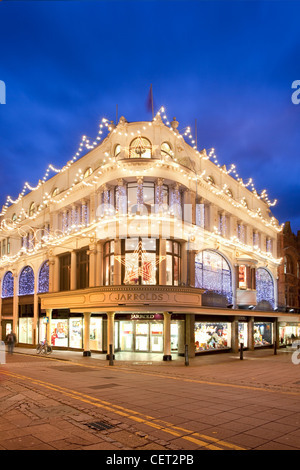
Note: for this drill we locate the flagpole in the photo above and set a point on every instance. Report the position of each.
(152, 102)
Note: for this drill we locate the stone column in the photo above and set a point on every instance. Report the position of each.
(235, 335)
(86, 339)
(167, 337)
(110, 332)
(16, 306)
(99, 265)
(190, 333)
(251, 334)
(73, 280)
(163, 262)
(92, 265)
(48, 330)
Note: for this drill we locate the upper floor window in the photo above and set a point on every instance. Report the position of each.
(55, 192)
(213, 273)
(109, 261)
(140, 261)
(264, 287)
(8, 285)
(26, 281)
(288, 265)
(43, 281)
(166, 149)
(87, 172)
(140, 148)
(32, 209)
(173, 262)
(117, 150)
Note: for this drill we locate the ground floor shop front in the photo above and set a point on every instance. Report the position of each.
(165, 333)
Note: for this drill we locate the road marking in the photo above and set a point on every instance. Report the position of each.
(136, 416)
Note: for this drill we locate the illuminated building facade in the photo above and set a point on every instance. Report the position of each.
(143, 243)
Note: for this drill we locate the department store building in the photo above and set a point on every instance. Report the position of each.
(145, 244)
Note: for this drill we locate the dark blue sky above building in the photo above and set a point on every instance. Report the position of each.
(229, 65)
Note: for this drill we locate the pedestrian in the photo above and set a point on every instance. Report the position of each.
(11, 339)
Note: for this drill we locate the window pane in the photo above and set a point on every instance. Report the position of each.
(149, 268)
(131, 269)
(169, 270)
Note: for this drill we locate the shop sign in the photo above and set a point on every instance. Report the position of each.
(145, 316)
(138, 297)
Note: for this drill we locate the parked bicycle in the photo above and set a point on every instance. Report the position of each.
(44, 348)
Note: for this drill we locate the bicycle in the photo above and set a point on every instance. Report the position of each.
(44, 348)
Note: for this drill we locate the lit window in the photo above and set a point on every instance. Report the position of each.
(87, 172)
(32, 209)
(140, 148)
(55, 192)
(166, 149)
(117, 150)
(213, 273)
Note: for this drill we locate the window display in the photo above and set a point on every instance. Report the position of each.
(96, 334)
(263, 335)
(75, 333)
(25, 330)
(210, 336)
(59, 333)
(288, 334)
(156, 338)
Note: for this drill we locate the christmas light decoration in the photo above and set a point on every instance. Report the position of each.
(8, 285)
(26, 281)
(43, 282)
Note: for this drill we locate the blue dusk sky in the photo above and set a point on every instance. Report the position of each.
(229, 65)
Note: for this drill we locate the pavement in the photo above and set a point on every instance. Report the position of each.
(216, 403)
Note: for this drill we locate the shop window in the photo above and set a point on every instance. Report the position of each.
(26, 281)
(263, 334)
(43, 282)
(213, 273)
(264, 288)
(173, 258)
(211, 336)
(8, 285)
(140, 148)
(26, 330)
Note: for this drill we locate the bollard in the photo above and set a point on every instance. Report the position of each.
(275, 348)
(241, 351)
(186, 355)
(111, 357)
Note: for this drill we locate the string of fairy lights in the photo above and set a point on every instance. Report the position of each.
(111, 163)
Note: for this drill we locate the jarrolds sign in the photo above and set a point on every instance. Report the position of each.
(104, 298)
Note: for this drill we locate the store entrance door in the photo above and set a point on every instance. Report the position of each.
(7, 326)
(142, 336)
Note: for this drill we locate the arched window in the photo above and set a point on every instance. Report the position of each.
(8, 285)
(213, 273)
(288, 265)
(210, 180)
(26, 281)
(264, 287)
(140, 148)
(87, 172)
(166, 149)
(117, 150)
(32, 209)
(43, 282)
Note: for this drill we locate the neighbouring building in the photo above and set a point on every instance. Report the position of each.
(289, 284)
(143, 243)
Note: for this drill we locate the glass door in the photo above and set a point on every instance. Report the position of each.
(142, 337)
(126, 335)
(156, 337)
